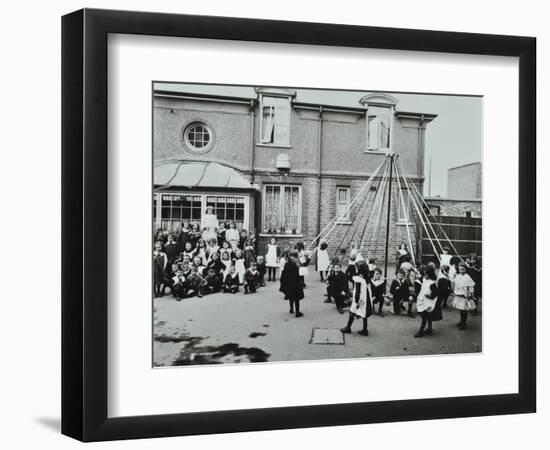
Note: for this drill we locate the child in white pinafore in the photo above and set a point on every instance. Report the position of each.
(463, 294)
(271, 260)
(239, 265)
(323, 259)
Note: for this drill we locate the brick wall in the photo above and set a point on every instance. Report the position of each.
(363, 213)
(456, 208)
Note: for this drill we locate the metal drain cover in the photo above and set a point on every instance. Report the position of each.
(327, 336)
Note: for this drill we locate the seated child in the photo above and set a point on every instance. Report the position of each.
(217, 265)
(226, 248)
(338, 286)
(179, 290)
(212, 248)
(182, 260)
(188, 250)
(197, 262)
(213, 282)
(398, 291)
(226, 261)
(194, 282)
(231, 281)
(251, 278)
(262, 269)
(372, 267)
(329, 278)
(412, 288)
(378, 286)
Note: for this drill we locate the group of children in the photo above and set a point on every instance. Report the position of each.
(189, 266)
(427, 286)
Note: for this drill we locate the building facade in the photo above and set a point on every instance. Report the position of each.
(277, 165)
(464, 182)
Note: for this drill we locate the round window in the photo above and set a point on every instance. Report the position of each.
(198, 136)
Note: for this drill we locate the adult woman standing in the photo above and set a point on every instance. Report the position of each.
(209, 225)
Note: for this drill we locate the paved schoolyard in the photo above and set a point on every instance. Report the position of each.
(238, 328)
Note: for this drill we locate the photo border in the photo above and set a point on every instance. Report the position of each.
(84, 224)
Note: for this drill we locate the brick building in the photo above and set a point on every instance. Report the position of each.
(276, 164)
(464, 182)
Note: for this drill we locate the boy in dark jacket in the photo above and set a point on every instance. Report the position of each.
(251, 278)
(398, 291)
(338, 286)
(178, 289)
(262, 269)
(213, 282)
(231, 282)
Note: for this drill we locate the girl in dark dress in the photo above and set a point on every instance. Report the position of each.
(291, 284)
(195, 234)
(444, 286)
(378, 288)
(249, 254)
(221, 234)
(159, 267)
(183, 236)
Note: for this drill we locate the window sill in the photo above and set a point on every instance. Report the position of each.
(377, 152)
(281, 235)
(261, 144)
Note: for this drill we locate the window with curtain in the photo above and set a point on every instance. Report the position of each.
(342, 203)
(275, 120)
(282, 209)
(379, 124)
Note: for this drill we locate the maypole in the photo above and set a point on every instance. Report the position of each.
(388, 218)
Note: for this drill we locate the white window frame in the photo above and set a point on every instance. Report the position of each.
(369, 113)
(188, 142)
(261, 140)
(158, 195)
(347, 217)
(299, 231)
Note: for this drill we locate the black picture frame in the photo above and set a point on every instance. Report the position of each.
(84, 224)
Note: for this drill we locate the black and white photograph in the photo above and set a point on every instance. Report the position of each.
(296, 224)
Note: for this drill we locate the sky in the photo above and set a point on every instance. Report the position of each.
(452, 139)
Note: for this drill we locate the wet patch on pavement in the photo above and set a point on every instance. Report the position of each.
(256, 334)
(230, 353)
